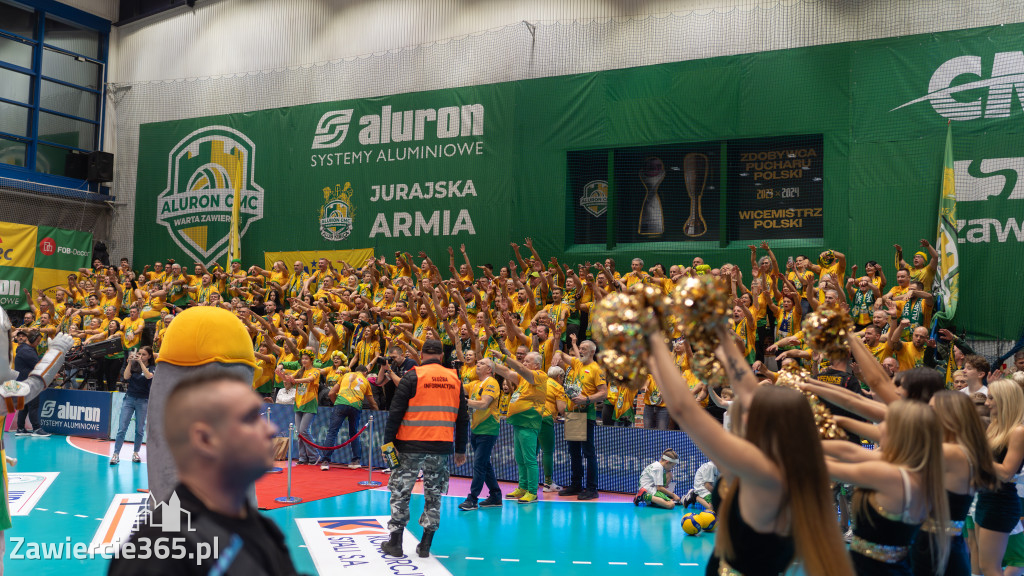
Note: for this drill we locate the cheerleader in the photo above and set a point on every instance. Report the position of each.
(969, 468)
(998, 511)
(898, 488)
(776, 503)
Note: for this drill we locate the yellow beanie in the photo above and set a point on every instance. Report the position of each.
(206, 334)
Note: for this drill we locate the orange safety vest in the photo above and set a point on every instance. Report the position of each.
(432, 412)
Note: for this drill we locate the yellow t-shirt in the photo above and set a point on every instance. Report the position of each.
(485, 421)
(467, 374)
(266, 373)
(924, 275)
(583, 379)
(328, 344)
(910, 356)
(306, 393)
(132, 332)
(366, 351)
(747, 335)
(354, 387)
(554, 394)
(624, 402)
(800, 281)
(838, 275)
(528, 400)
(881, 351)
(652, 397)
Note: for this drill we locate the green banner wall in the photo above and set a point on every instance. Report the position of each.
(38, 258)
(485, 165)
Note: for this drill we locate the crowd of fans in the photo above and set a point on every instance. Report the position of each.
(519, 338)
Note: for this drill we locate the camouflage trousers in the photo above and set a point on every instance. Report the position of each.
(403, 479)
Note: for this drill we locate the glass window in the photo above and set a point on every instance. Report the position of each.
(12, 152)
(14, 119)
(47, 107)
(68, 100)
(65, 131)
(18, 20)
(15, 52)
(50, 159)
(68, 69)
(71, 38)
(15, 86)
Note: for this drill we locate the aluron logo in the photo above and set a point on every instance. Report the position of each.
(196, 206)
(403, 126)
(332, 128)
(1007, 77)
(69, 411)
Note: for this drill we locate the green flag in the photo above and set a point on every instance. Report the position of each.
(948, 274)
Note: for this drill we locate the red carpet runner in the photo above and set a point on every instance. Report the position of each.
(311, 483)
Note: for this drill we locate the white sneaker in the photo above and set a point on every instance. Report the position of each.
(552, 487)
(354, 465)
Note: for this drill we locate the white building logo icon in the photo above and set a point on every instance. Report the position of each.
(170, 517)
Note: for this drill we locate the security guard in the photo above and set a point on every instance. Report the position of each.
(429, 417)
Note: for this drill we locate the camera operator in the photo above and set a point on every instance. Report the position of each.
(390, 370)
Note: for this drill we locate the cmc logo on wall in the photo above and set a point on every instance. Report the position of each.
(197, 203)
(1007, 73)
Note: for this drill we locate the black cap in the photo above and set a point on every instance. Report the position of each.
(432, 346)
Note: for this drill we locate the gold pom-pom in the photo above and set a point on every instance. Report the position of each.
(701, 304)
(618, 328)
(826, 331)
(823, 418)
(708, 369)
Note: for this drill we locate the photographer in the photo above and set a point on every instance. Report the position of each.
(390, 370)
(138, 373)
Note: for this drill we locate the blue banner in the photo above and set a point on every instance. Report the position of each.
(75, 412)
(622, 453)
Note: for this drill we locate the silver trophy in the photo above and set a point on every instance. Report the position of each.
(652, 219)
(695, 175)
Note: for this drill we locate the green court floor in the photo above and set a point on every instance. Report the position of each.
(562, 538)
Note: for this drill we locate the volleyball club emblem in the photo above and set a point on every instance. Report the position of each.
(595, 197)
(337, 212)
(196, 206)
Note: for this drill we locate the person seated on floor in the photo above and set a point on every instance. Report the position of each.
(654, 482)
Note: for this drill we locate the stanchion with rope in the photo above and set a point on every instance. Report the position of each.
(275, 469)
(342, 445)
(370, 481)
(289, 499)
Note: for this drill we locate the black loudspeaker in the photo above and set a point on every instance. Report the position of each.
(101, 167)
(76, 165)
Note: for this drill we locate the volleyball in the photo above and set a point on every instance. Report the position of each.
(707, 521)
(690, 524)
